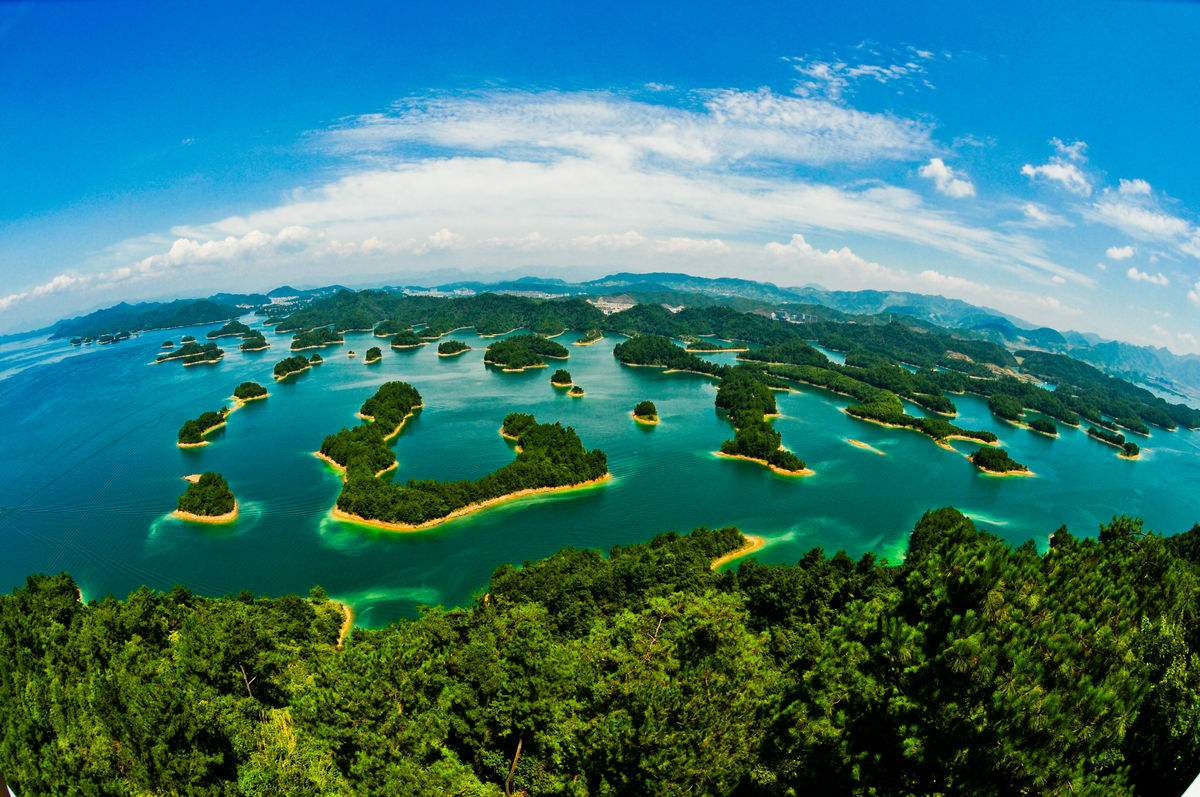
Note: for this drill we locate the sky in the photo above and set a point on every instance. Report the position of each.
(1039, 159)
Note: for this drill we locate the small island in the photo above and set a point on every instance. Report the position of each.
(561, 378)
(292, 365)
(364, 449)
(254, 341)
(997, 462)
(233, 329)
(351, 354)
(646, 413)
(710, 347)
(386, 329)
(407, 339)
(316, 359)
(524, 351)
(207, 499)
(1044, 426)
(592, 336)
(191, 434)
(249, 391)
(316, 338)
(1129, 449)
(193, 353)
(167, 344)
(452, 348)
(749, 402)
(187, 339)
(374, 355)
(576, 392)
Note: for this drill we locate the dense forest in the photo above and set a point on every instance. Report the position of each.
(192, 353)
(646, 410)
(524, 351)
(996, 460)
(970, 668)
(291, 365)
(448, 348)
(747, 401)
(316, 338)
(248, 391)
(254, 341)
(561, 378)
(373, 355)
(232, 329)
(193, 430)
(548, 456)
(208, 496)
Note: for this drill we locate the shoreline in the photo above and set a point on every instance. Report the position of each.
(228, 517)
(318, 345)
(399, 426)
(292, 373)
(645, 421)
(508, 436)
(403, 346)
(462, 511)
(205, 432)
(765, 464)
(505, 369)
(753, 543)
(562, 385)
(203, 362)
(715, 351)
(496, 334)
(1001, 474)
(378, 359)
(336, 466)
(1128, 458)
(347, 623)
(591, 342)
(454, 353)
(260, 348)
(940, 442)
(576, 392)
(865, 446)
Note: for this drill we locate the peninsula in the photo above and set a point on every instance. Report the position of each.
(233, 329)
(592, 336)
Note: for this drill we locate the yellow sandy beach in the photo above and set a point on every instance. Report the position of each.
(228, 517)
(753, 543)
(865, 446)
(645, 421)
(765, 464)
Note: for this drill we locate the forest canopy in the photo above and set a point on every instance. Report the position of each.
(208, 496)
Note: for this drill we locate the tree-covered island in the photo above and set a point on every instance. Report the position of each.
(748, 401)
(292, 365)
(576, 391)
(1044, 426)
(207, 499)
(316, 338)
(250, 391)
(191, 434)
(232, 329)
(254, 340)
(561, 378)
(523, 351)
(1129, 449)
(997, 462)
(364, 449)
(452, 348)
(373, 355)
(193, 353)
(407, 339)
(590, 336)
(702, 346)
(645, 412)
(549, 458)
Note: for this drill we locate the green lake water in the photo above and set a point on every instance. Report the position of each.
(91, 471)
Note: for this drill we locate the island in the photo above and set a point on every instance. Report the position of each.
(374, 355)
(645, 412)
(167, 344)
(187, 339)
(193, 353)
(576, 392)
(207, 499)
(699, 346)
(748, 402)
(1044, 426)
(1129, 449)
(316, 359)
(364, 449)
(452, 348)
(292, 365)
(232, 329)
(549, 458)
(407, 339)
(250, 391)
(523, 351)
(515, 424)
(562, 378)
(387, 328)
(316, 338)
(997, 462)
(191, 434)
(254, 341)
(591, 336)
(351, 354)
(658, 351)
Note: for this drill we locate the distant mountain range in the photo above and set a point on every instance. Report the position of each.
(1154, 367)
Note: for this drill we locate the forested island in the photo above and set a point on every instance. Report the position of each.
(452, 348)
(316, 338)
(549, 458)
(645, 412)
(254, 341)
(576, 391)
(1129, 449)
(406, 339)
(293, 365)
(971, 667)
(561, 378)
(590, 336)
(191, 434)
(316, 359)
(701, 346)
(997, 462)
(523, 351)
(363, 450)
(373, 355)
(658, 351)
(207, 499)
(187, 339)
(232, 329)
(1044, 426)
(250, 391)
(193, 353)
(748, 402)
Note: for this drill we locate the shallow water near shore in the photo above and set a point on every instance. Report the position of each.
(91, 471)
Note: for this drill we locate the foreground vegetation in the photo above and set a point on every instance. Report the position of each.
(971, 668)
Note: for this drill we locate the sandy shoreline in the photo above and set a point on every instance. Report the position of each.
(498, 334)
(865, 446)
(228, 517)
(338, 514)
(372, 360)
(204, 362)
(331, 462)
(318, 345)
(260, 348)
(454, 353)
(591, 342)
(714, 351)
(399, 426)
(507, 370)
(293, 373)
(401, 346)
(645, 421)
(203, 433)
(1004, 474)
(753, 543)
(347, 623)
(765, 464)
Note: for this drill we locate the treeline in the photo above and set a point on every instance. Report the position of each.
(970, 668)
(315, 338)
(549, 455)
(193, 430)
(362, 451)
(248, 391)
(747, 401)
(232, 329)
(192, 353)
(524, 351)
(294, 365)
(208, 496)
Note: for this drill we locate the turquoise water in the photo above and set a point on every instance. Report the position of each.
(91, 471)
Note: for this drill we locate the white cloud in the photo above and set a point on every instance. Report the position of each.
(1194, 293)
(1062, 168)
(1102, 267)
(1038, 216)
(1134, 187)
(1119, 252)
(653, 86)
(1141, 276)
(835, 77)
(946, 180)
(1057, 280)
(692, 246)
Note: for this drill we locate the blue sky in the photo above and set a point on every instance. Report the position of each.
(1039, 159)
